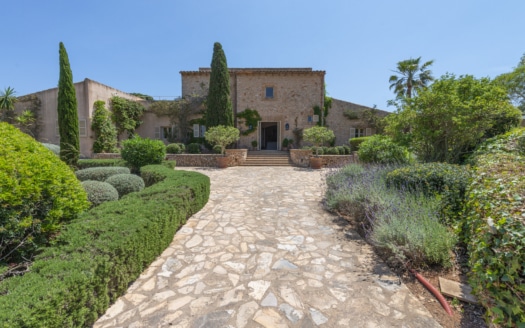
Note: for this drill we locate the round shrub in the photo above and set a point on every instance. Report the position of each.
(54, 148)
(332, 151)
(126, 183)
(382, 150)
(347, 150)
(143, 151)
(38, 193)
(182, 147)
(340, 150)
(99, 192)
(194, 148)
(100, 173)
(318, 150)
(173, 149)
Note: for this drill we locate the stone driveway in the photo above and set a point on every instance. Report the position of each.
(264, 253)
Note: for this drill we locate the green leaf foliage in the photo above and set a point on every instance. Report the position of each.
(38, 194)
(99, 192)
(139, 152)
(173, 148)
(126, 183)
(100, 173)
(318, 136)
(126, 114)
(194, 148)
(219, 105)
(514, 83)
(101, 253)
(221, 136)
(87, 163)
(67, 112)
(380, 149)
(356, 142)
(446, 121)
(105, 131)
(446, 181)
(54, 148)
(249, 118)
(495, 229)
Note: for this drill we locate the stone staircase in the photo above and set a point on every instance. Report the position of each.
(268, 158)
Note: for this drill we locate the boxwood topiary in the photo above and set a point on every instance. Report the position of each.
(100, 173)
(173, 149)
(143, 151)
(54, 148)
(99, 192)
(126, 183)
(38, 193)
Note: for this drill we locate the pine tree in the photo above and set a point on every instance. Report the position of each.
(219, 107)
(67, 112)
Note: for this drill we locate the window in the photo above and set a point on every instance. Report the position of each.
(356, 133)
(165, 133)
(269, 92)
(82, 127)
(198, 131)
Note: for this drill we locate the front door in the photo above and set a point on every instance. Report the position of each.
(269, 135)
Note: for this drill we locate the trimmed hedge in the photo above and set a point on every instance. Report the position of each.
(87, 163)
(100, 173)
(449, 181)
(495, 229)
(143, 151)
(54, 148)
(95, 259)
(380, 149)
(99, 192)
(355, 143)
(126, 183)
(173, 149)
(38, 194)
(194, 148)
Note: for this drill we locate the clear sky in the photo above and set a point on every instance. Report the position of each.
(142, 45)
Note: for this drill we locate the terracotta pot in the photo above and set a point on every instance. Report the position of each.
(316, 162)
(222, 162)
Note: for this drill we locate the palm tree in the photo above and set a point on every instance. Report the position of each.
(411, 77)
(7, 103)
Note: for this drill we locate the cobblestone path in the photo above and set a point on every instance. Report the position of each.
(264, 253)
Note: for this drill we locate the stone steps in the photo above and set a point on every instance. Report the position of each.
(268, 158)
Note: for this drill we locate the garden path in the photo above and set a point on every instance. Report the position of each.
(264, 253)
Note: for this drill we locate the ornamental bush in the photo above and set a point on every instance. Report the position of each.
(449, 181)
(194, 148)
(379, 149)
(38, 194)
(54, 148)
(99, 192)
(173, 149)
(356, 142)
(87, 163)
(139, 152)
(126, 183)
(347, 149)
(100, 173)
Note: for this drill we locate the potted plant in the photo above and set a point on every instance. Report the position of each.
(222, 136)
(285, 144)
(254, 144)
(317, 135)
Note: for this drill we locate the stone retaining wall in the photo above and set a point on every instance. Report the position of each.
(301, 157)
(238, 155)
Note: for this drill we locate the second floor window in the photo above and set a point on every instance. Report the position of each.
(269, 92)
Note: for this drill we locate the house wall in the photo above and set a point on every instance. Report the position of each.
(87, 92)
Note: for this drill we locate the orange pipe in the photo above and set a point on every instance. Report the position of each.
(433, 290)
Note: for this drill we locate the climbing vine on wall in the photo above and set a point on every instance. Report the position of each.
(126, 114)
(250, 119)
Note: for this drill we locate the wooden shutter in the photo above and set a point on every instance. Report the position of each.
(196, 130)
(157, 132)
(352, 133)
(368, 132)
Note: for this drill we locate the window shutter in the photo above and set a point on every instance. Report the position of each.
(196, 130)
(82, 127)
(157, 132)
(368, 132)
(352, 133)
(203, 130)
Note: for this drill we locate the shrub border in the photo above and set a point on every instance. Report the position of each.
(97, 256)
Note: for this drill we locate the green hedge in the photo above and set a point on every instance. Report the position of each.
(356, 142)
(380, 149)
(100, 192)
(126, 183)
(100, 173)
(495, 229)
(448, 181)
(87, 163)
(94, 260)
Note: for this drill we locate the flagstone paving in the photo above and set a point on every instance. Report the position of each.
(264, 253)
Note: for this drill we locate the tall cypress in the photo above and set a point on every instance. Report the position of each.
(219, 105)
(67, 112)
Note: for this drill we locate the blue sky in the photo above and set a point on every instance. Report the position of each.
(142, 45)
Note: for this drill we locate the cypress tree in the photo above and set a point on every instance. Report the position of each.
(67, 112)
(219, 107)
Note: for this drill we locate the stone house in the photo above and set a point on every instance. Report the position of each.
(284, 98)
